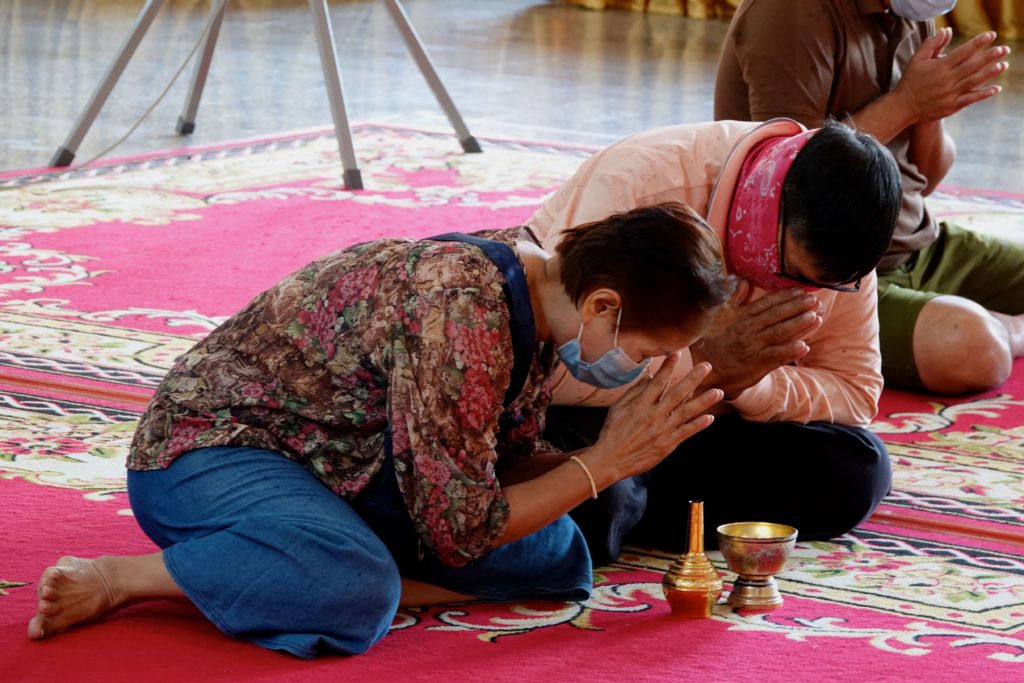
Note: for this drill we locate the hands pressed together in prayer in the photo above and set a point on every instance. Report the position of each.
(755, 337)
(652, 418)
(936, 85)
(752, 338)
(659, 411)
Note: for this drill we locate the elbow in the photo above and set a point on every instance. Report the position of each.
(859, 394)
(454, 554)
(864, 404)
(941, 163)
(864, 413)
(457, 547)
(865, 391)
(947, 155)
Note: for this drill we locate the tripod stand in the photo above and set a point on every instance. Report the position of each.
(325, 42)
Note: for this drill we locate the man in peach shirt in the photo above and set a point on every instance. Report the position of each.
(804, 217)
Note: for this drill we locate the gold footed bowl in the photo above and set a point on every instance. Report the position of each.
(756, 551)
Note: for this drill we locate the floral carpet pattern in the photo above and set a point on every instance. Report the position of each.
(959, 464)
(107, 274)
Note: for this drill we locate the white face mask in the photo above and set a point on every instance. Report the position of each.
(922, 10)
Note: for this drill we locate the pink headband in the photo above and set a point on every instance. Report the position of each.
(752, 233)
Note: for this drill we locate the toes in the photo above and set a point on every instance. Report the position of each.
(62, 589)
(45, 586)
(50, 582)
(47, 591)
(37, 628)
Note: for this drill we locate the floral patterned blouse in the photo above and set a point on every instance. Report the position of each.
(411, 335)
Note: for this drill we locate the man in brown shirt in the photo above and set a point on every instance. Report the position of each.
(951, 303)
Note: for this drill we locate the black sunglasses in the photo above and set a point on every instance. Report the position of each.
(854, 287)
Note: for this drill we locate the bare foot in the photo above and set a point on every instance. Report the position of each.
(72, 592)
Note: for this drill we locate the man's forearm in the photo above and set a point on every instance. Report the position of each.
(932, 151)
(885, 118)
(812, 394)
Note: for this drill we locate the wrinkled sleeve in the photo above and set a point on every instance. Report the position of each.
(451, 363)
(585, 198)
(840, 379)
(787, 53)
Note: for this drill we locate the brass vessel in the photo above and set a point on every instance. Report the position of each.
(692, 585)
(756, 551)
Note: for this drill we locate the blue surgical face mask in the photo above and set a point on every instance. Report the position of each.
(614, 369)
(922, 10)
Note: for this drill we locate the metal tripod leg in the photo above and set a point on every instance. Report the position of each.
(325, 42)
(187, 120)
(412, 41)
(66, 153)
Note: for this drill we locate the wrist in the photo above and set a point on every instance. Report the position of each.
(714, 380)
(730, 394)
(900, 108)
(586, 471)
(597, 459)
(930, 130)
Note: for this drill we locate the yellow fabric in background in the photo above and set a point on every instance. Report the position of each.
(698, 9)
(969, 18)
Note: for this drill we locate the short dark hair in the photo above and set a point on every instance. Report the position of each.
(841, 200)
(663, 260)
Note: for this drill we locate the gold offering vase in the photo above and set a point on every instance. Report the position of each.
(692, 585)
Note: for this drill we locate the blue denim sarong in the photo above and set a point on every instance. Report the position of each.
(271, 555)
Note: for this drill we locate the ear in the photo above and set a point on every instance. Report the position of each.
(600, 302)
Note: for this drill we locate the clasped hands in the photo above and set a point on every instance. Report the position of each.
(749, 339)
(936, 84)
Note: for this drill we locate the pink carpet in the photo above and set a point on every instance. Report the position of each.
(106, 275)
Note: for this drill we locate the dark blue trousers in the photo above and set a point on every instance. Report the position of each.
(271, 555)
(824, 479)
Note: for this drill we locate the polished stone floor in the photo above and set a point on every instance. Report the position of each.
(523, 68)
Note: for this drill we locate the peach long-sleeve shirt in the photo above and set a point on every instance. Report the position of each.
(839, 380)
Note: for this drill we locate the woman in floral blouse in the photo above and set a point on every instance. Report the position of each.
(404, 382)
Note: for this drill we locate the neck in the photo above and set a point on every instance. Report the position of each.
(551, 305)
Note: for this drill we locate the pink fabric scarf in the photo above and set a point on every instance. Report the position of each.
(752, 234)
